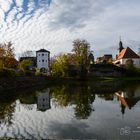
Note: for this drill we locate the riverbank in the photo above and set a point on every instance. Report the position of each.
(24, 82)
(20, 83)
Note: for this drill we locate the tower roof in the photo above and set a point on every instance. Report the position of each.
(43, 50)
(120, 46)
(127, 53)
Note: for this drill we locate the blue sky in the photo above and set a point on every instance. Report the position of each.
(54, 24)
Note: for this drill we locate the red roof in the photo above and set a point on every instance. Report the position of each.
(127, 53)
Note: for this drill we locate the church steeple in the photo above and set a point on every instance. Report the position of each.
(120, 45)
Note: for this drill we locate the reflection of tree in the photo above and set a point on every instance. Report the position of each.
(84, 100)
(7, 107)
(61, 95)
(83, 109)
(78, 95)
(6, 112)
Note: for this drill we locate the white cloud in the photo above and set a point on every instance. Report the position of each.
(54, 28)
(5, 5)
(19, 3)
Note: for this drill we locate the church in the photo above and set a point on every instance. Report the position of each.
(126, 55)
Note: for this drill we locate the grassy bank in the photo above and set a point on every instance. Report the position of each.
(22, 82)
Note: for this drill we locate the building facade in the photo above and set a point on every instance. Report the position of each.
(127, 55)
(43, 60)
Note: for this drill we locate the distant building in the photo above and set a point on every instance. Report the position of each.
(107, 58)
(105, 70)
(125, 55)
(43, 60)
(91, 58)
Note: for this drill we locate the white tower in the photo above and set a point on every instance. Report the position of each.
(43, 60)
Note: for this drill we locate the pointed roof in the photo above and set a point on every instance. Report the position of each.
(121, 46)
(127, 53)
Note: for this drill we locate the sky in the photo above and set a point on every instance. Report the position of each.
(54, 24)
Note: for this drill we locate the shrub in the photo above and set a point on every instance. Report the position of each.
(7, 72)
(29, 73)
(20, 72)
(38, 73)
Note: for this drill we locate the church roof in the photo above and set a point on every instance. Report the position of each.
(43, 50)
(127, 53)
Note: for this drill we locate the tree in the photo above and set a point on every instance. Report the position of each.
(7, 56)
(10, 62)
(25, 64)
(60, 65)
(81, 48)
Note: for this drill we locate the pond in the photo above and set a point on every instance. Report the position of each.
(102, 110)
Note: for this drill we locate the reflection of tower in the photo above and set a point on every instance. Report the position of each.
(123, 103)
(43, 101)
(123, 109)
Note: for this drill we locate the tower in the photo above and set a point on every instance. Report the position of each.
(120, 45)
(43, 60)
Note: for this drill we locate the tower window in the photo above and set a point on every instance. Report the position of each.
(42, 60)
(42, 54)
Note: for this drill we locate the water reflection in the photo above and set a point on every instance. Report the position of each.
(128, 99)
(43, 101)
(80, 96)
(78, 101)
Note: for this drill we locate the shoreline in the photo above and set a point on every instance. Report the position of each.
(20, 83)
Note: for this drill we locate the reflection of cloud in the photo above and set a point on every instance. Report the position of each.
(55, 24)
(74, 130)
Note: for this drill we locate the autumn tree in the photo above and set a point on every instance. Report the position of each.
(81, 49)
(7, 56)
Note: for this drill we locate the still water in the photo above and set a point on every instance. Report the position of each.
(103, 110)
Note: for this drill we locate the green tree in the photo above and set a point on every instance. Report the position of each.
(81, 48)
(25, 64)
(60, 66)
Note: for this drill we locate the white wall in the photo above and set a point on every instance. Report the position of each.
(43, 101)
(43, 60)
(135, 60)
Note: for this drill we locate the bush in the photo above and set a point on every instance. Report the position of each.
(7, 72)
(38, 73)
(20, 72)
(132, 72)
(29, 73)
